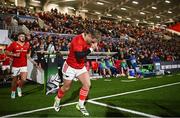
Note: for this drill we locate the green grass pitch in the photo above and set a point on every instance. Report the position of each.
(162, 100)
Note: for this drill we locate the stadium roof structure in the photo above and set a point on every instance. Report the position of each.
(151, 11)
(141, 11)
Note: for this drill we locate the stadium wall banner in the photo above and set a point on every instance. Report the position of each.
(51, 77)
(170, 66)
(27, 18)
(70, 36)
(53, 34)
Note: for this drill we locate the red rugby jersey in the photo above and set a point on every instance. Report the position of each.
(77, 44)
(15, 47)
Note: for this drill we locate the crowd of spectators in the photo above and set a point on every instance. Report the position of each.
(5, 9)
(149, 45)
(144, 51)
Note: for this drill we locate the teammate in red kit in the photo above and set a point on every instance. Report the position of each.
(19, 51)
(74, 66)
(6, 62)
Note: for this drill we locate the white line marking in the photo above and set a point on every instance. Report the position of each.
(146, 78)
(26, 112)
(32, 111)
(120, 94)
(169, 75)
(123, 109)
(136, 91)
(128, 80)
(107, 80)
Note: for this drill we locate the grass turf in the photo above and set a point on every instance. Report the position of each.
(162, 101)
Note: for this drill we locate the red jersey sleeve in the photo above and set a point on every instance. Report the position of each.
(11, 47)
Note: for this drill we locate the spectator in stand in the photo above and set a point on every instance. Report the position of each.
(110, 65)
(51, 47)
(64, 47)
(40, 54)
(124, 68)
(169, 57)
(103, 68)
(117, 64)
(155, 58)
(94, 66)
(133, 60)
(145, 59)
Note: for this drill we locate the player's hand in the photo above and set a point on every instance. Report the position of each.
(16, 54)
(94, 46)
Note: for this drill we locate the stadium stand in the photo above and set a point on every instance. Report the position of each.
(149, 45)
(139, 44)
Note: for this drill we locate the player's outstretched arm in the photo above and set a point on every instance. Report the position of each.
(83, 54)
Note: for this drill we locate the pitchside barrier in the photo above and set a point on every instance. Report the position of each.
(49, 76)
(170, 66)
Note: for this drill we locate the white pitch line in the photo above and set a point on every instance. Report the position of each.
(120, 94)
(26, 112)
(128, 80)
(123, 109)
(136, 91)
(169, 75)
(146, 78)
(32, 111)
(107, 80)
